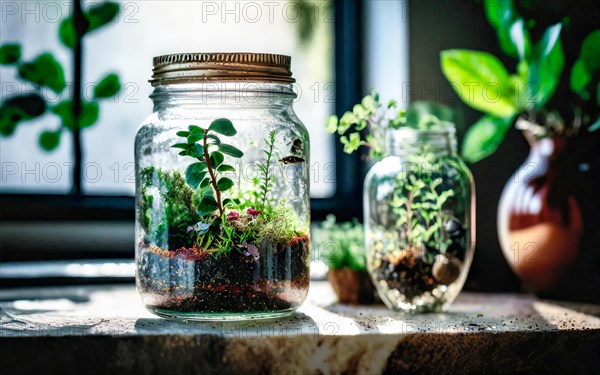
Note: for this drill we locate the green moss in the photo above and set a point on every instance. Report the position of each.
(175, 199)
(168, 207)
(279, 224)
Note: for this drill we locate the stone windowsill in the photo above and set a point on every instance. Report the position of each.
(105, 328)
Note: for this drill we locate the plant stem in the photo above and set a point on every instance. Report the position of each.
(409, 217)
(80, 28)
(213, 177)
(267, 177)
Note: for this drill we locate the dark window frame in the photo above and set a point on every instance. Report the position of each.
(346, 202)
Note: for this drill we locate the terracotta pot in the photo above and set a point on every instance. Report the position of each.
(548, 218)
(352, 287)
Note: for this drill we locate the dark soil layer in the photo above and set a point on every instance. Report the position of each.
(409, 275)
(188, 280)
(414, 271)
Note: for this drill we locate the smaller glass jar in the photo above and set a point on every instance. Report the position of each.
(419, 220)
(222, 190)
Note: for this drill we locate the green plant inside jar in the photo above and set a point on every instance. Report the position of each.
(224, 228)
(431, 241)
(423, 242)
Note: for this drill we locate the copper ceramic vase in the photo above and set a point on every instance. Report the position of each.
(548, 217)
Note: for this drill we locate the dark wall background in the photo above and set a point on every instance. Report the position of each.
(437, 25)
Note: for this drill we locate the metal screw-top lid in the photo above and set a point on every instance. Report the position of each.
(221, 67)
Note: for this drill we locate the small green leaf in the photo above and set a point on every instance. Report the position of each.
(484, 137)
(208, 205)
(228, 202)
(195, 128)
(224, 184)
(370, 103)
(481, 81)
(66, 33)
(520, 38)
(580, 78)
(195, 173)
(101, 14)
(107, 87)
(498, 12)
(360, 111)
(362, 124)
(348, 118)
(511, 29)
(10, 53)
(546, 65)
(180, 145)
(590, 51)
(49, 140)
(183, 133)
(31, 105)
(196, 150)
(89, 114)
(194, 137)
(20, 108)
(332, 123)
(96, 16)
(225, 168)
(214, 139)
(351, 144)
(223, 126)
(45, 70)
(205, 182)
(230, 150)
(216, 158)
(9, 119)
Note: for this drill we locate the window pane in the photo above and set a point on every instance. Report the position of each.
(145, 29)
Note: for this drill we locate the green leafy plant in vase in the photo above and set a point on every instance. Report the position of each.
(542, 213)
(232, 247)
(342, 248)
(418, 228)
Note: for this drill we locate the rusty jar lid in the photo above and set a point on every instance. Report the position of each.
(221, 67)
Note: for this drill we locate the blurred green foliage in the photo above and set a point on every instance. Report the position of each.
(45, 71)
(369, 121)
(483, 82)
(340, 245)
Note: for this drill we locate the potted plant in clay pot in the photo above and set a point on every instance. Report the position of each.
(547, 214)
(342, 249)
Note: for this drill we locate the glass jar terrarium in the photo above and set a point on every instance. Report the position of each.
(419, 220)
(222, 190)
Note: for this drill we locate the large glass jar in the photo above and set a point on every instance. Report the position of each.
(222, 190)
(419, 220)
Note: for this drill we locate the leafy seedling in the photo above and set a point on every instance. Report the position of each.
(369, 122)
(206, 147)
(266, 177)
